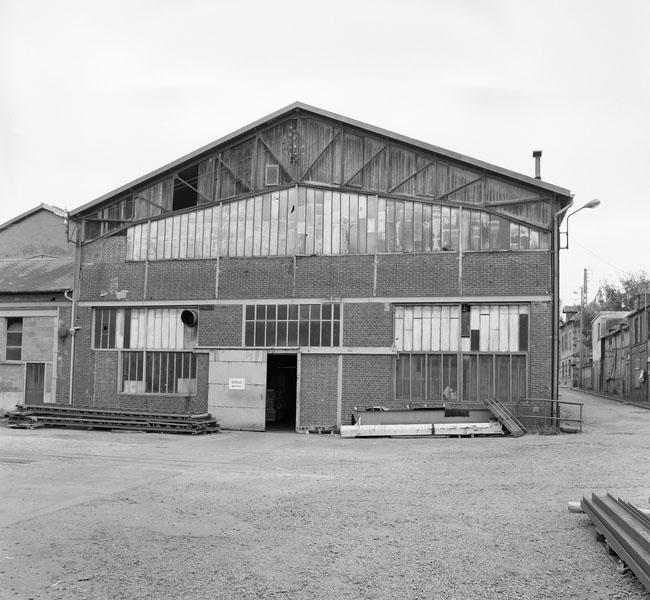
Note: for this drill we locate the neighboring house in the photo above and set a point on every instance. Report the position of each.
(600, 329)
(36, 269)
(638, 349)
(615, 353)
(308, 264)
(569, 346)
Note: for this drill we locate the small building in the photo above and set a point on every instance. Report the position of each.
(569, 346)
(36, 270)
(308, 264)
(639, 335)
(615, 353)
(600, 329)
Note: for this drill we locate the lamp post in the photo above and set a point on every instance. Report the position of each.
(591, 204)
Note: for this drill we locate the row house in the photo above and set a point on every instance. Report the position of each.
(36, 278)
(308, 264)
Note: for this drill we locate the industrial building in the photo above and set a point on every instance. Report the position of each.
(308, 264)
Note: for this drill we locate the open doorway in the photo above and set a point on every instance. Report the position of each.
(281, 373)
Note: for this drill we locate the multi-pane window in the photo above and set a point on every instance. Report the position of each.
(285, 325)
(461, 352)
(435, 377)
(155, 372)
(155, 347)
(485, 232)
(159, 328)
(14, 338)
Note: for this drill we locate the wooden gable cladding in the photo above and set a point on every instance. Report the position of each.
(303, 220)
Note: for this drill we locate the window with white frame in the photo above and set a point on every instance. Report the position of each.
(471, 353)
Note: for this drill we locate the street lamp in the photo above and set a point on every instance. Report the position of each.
(591, 204)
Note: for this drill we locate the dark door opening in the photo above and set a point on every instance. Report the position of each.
(34, 383)
(281, 374)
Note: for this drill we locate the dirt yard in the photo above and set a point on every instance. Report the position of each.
(280, 515)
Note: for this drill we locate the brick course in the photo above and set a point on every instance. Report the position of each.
(367, 324)
(318, 390)
(367, 381)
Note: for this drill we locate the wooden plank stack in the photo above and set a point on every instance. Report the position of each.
(79, 417)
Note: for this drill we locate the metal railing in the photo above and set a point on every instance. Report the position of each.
(552, 416)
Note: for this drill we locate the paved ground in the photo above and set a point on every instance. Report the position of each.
(280, 515)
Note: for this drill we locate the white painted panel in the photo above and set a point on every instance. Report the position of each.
(513, 327)
(503, 328)
(129, 243)
(182, 249)
(225, 229)
(119, 328)
(336, 223)
(241, 228)
(436, 313)
(232, 239)
(417, 328)
(484, 332)
(454, 330)
(327, 222)
(408, 329)
(275, 220)
(215, 249)
(426, 328)
(475, 317)
(176, 236)
(494, 328)
(445, 328)
(399, 327)
(207, 232)
(167, 250)
(198, 241)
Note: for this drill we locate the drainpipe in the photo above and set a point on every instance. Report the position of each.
(73, 316)
(555, 274)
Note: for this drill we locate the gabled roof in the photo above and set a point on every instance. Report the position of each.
(306, 108)
(36, 275)
(59, 212)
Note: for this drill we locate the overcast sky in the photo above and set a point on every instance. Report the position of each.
(94, 94)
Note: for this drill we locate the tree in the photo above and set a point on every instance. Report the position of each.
(623, 294)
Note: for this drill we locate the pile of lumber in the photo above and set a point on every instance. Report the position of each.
(79, 417)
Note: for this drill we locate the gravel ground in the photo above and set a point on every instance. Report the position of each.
(280, 515)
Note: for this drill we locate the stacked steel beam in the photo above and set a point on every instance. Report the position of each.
(626, 531)
(32, 416)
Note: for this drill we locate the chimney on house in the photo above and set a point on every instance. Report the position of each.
(537, 155)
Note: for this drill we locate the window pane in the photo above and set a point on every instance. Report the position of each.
(434, 375)
(417, 377)
(450, 377)
(260, 311)
(270, 333)
(327, 312)
(282, 333)
(518, 378)
(13, 353)
(250, 334)
(282, 312)
(315, 312)
(270, 313)
(250, 312)
(326, 339)
(335, 333)
(485, 380)
(292, 337)
(260, 335)
(293, 311)
(314, 333)
(502, 386)
(470, 392)
(304, 333)
(403, 376)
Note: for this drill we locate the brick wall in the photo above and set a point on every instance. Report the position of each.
(507, 273)
(367, 324)
(367, 381)
(417, 274)
(325, 276)
(220, 325)
(540, 350)
(266, 277)
(84, 359)
(318, 390)
(109, 281)
(181, 279)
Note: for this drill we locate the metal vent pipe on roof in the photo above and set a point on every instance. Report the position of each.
(537, 155)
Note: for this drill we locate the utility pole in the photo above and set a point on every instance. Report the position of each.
(583, 304)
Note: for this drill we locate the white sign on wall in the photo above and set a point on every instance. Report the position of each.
(236, 383)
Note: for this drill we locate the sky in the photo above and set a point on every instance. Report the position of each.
(94, 94)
